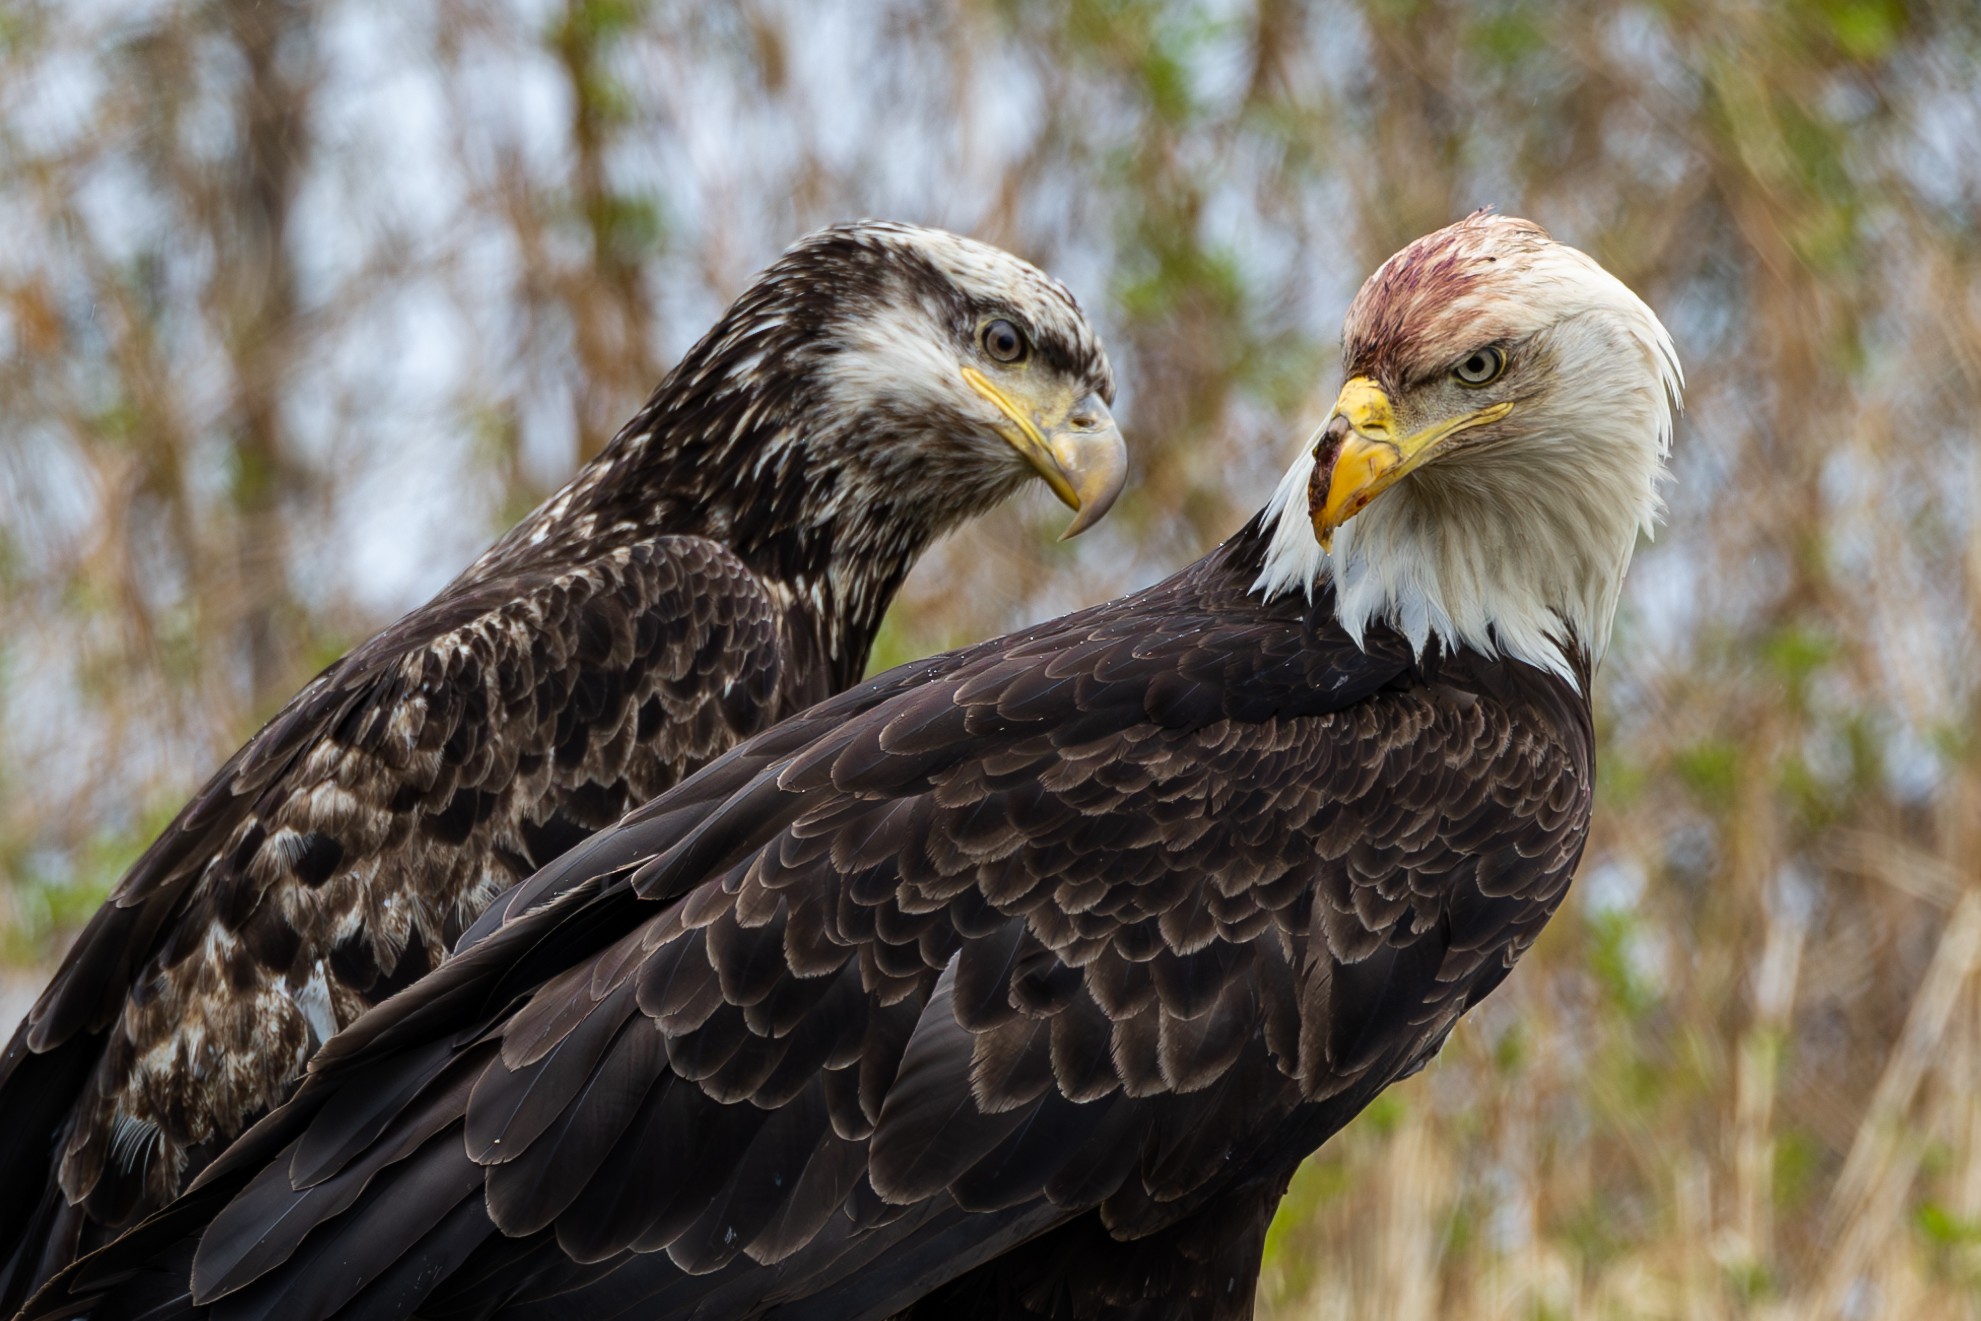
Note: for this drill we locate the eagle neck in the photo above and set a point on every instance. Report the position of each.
(764, 471)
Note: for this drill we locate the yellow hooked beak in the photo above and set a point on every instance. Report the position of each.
(1361, 454)
(1072, 443)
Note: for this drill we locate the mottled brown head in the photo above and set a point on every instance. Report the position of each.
(877, 385)
(1439, 298)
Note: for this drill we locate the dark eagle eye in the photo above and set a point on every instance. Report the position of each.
(1480, 366)
(1004, 341)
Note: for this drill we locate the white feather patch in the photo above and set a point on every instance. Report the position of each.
(1518, 549)
(314, 1000)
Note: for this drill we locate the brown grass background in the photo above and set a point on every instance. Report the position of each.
(302, 304)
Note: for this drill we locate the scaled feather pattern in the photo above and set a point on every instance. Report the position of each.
(1060, 949)
(724, 563)
(1012, 983)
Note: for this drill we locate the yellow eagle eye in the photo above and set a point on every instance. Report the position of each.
(1480, 366)
(1003, 341)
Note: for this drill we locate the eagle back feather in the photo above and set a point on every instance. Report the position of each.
(1006, 983)
(338, 856)
(725, 562)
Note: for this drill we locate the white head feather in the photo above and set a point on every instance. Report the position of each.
(1514, 540)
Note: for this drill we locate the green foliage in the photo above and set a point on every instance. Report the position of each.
(897, 644)
(1710, 768)
(1953, 1245)
(596, 23)
(1508, 35)
(1862, 29)
(48, 905)
(1510, 1050)
(1383, 1114)
(1287, 1266)
(1944, 1228)
(1797, 654)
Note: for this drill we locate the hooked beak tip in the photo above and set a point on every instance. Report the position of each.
(1094, 464)
(1081, 455)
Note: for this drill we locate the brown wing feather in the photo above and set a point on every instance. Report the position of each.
(342, 851)
(1015, 983)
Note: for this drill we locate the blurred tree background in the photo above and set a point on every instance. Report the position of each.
(300, 305)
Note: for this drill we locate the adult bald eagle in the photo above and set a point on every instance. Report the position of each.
(725, 562)
(1017, 982)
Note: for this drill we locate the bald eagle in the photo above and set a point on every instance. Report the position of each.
(1017, 982)
(724, 563)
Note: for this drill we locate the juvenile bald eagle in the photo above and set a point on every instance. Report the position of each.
(724, 563)
(1017, 982)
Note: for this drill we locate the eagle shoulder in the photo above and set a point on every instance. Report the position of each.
(1082, 933)
(338, 855)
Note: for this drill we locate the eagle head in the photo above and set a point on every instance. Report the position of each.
(875, 386)
(1495, 452)
(949, 365)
